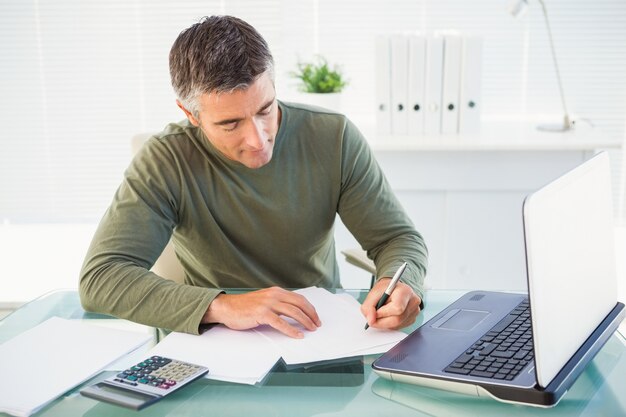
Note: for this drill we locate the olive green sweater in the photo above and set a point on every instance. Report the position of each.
(236, 227)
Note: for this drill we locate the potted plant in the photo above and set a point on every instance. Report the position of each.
(320, 84)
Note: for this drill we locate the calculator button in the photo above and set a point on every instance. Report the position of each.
(157, 375)
(124, 381)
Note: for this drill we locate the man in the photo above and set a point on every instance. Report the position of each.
(248, 188)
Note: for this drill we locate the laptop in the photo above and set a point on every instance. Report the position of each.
(529, 348)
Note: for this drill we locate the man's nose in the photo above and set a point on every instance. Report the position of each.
(255, 137)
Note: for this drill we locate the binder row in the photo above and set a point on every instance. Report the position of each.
(428, 84)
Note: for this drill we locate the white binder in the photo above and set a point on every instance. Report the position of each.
(417, 68)
(451, 83)
(433, 84)
(470, 101)
(382, 65)
(399, 84)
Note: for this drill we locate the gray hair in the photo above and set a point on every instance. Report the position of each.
(218, 54)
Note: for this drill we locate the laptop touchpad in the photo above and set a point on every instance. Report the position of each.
(457, 319)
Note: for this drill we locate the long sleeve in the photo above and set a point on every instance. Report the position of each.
(115, 278)
(372, 213)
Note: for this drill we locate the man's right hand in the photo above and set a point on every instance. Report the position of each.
(266, 306)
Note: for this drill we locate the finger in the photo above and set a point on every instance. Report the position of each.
(395, 322)
(392, 323)
(398, 302)
(406, 318)
(300, 302)
(368, 308)
(370, 317)
(369, 312)
(401, 311)
(298, 315)
(280, 295)
(413, 311)
(310, 311)
(282, 326)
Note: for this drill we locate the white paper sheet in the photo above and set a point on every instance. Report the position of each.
(247, 356)
(132, 358)
(44, 362)
(241, 356)
(342, 333)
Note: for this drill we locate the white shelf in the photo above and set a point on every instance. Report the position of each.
(497, 137)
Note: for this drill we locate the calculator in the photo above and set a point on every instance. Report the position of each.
(145, 383)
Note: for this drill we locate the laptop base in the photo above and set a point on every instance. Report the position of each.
(535, 396)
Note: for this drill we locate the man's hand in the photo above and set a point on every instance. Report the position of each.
(401, 308)
(266, 306)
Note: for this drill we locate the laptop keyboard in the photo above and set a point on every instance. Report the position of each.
(502, 352)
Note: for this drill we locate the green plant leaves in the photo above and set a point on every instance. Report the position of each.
(317, 77)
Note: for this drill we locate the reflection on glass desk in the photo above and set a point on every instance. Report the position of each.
(346, 387)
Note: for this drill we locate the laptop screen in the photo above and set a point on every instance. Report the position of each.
(569, 237)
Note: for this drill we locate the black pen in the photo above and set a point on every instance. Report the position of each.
(390, 288)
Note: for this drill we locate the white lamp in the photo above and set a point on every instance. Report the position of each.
(518, 9)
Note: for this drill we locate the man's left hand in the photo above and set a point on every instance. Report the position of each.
(401, 308)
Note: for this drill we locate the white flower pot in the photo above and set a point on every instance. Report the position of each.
(330, 101)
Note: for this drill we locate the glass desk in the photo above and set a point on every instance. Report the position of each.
(347, 388)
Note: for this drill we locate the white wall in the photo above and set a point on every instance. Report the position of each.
(80, 77)
(39, 258)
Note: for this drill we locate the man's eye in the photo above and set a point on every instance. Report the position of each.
(266, 111)
(230, 127)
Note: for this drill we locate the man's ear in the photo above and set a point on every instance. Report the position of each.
(189, 115)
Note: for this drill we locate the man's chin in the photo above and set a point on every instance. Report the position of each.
(256, 161)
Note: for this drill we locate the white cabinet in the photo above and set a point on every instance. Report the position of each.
(466, 198)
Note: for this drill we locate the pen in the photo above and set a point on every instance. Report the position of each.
(390, 288)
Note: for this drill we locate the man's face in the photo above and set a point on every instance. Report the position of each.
(242, 125)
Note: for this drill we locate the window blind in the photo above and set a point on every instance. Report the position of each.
(80, 77)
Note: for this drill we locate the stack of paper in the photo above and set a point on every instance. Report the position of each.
(242, 356)
(247, 356)
(42, 363)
